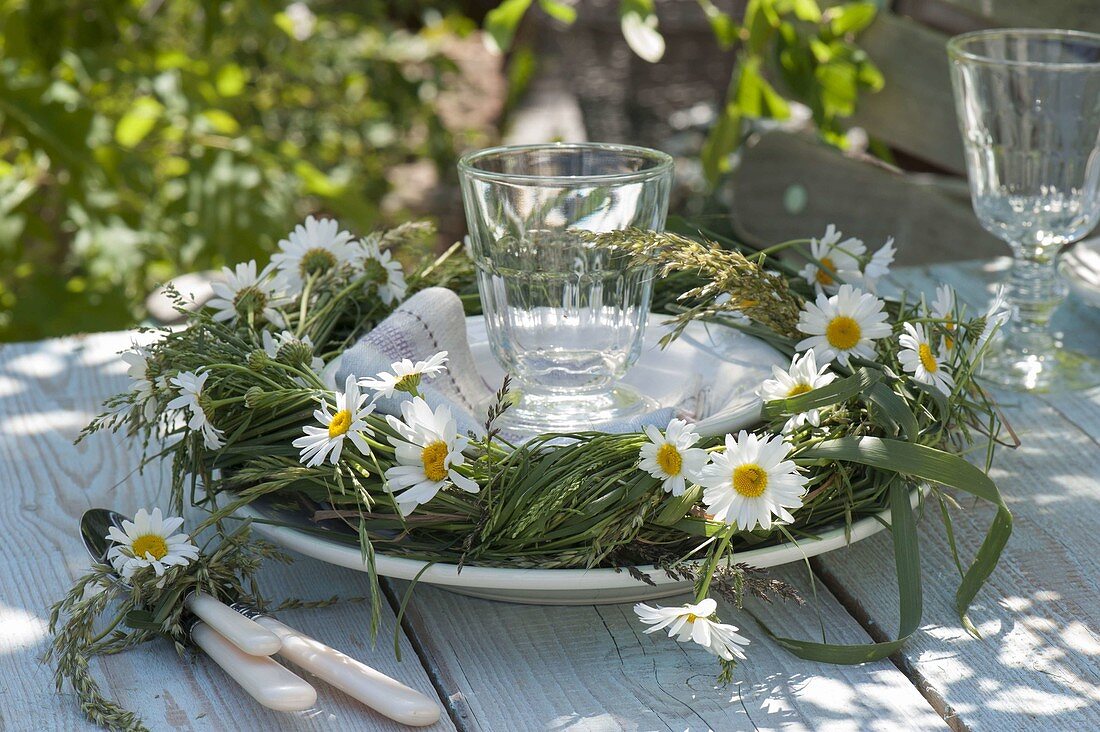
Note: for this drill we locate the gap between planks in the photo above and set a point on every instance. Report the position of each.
(873, 629)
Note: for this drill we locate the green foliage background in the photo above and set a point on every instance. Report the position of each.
(140, 139)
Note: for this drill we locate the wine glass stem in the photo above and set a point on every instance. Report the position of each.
(1036, 291)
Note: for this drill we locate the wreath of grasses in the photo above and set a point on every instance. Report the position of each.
(580, 500)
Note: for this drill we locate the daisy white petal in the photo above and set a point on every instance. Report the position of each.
(836, 260)
(149, 541)
(752, 482)
(844, 325)
(918, 357)
(804, 375)
(997, 315)
(143, 387)
(349, 420)
(879, 265)
(672, 457)
(245, 294)
(382, 270)
(190, 385)
(428, 450)
(697, 623)
(313, 248)
(406, 375)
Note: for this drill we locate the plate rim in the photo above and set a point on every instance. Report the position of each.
(574, 580)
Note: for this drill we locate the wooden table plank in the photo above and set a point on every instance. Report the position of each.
(527, 667)
(1039, 664)
(48, 391)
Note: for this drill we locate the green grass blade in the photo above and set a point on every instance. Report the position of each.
(838, 391)
(907, 559)
(940, 467)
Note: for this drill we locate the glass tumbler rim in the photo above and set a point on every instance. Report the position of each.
(956, 47)
(662, 164)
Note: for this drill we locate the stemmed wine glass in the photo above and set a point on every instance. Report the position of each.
(1028, 103)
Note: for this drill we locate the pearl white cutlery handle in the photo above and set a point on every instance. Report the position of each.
(379, 692)
(265, 680)
(245, 633)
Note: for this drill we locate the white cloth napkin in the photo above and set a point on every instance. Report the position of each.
(431, 321)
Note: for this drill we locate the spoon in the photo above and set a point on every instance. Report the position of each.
(265, 680)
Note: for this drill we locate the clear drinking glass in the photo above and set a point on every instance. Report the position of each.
(1028, 103)
(565, 317)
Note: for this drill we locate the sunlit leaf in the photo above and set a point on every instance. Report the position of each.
(221, 121)
(721, 24)
(639, 26)
(807, 10)
(138, 122)
(852, 18)
(502, 21)
(838, 87)
(559, 11)
(230, 80)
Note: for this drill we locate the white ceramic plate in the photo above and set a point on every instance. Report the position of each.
(546, 586)
(709, 374)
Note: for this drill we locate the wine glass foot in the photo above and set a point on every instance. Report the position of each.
(1054, 370)
(537, 413)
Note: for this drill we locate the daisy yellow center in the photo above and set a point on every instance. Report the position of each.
(434, 457)
(823, 276)
(340, 423)
(949, 341)
(843, 332)
(250, 299)
(375, 271)
(927, 359)
(750, 480)
(800, 388)
(408, 383)
(692, 617)
(316, 261)
(668, 457)
(151, 544)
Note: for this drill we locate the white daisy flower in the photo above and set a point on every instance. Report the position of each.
(752, 481)
(313, 248)
(428, 450)
(348, 421)
(383, 270)
(693, 622)
(804, 375)
(670, 457)
(245, 293)
(844, 325)
(997, 316)
(149, 541)
(879, 264)
(836, 260)
(918, 358)
(274, 343)
(406, 375)
(190, 387)
(943, 308)
(141, 385)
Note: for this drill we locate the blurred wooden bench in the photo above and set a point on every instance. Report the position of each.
(788, 184)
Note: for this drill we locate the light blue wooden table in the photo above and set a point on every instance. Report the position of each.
(500, 667)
